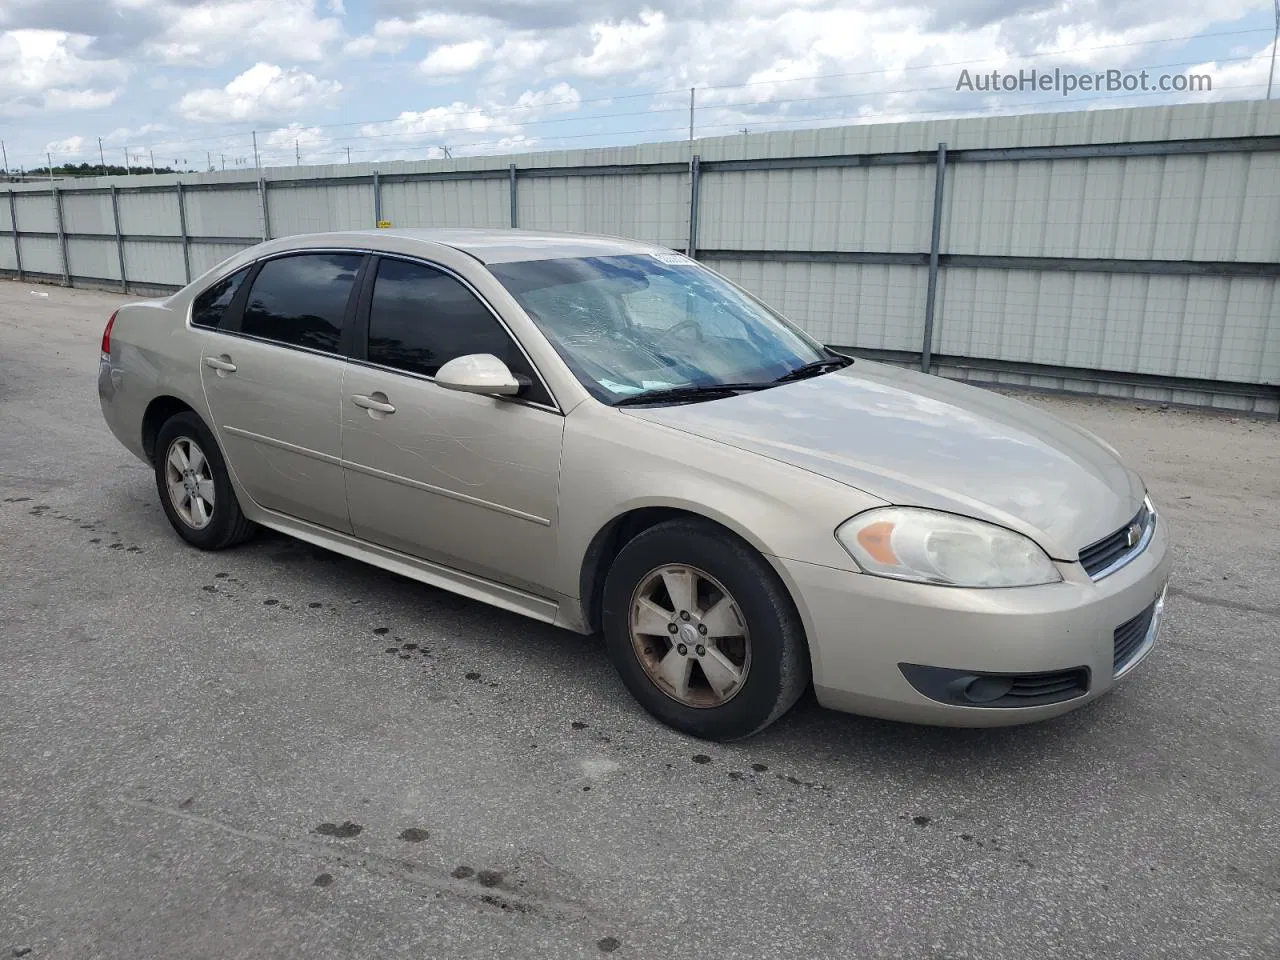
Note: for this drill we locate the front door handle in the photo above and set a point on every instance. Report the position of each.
(374, 404)
(222, 364)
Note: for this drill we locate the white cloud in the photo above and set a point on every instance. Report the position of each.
(48, 70)
(209, 33)
(392, 36)
(560, 98)
(468, 128)
(264, 90)
(337, 8)
(624, 47)
(455, 59)
(67, 147)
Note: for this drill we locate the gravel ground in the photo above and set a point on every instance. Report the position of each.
(276, 752)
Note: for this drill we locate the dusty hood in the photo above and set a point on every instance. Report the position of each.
(925, 441)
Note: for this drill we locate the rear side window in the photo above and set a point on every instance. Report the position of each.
(302, 300)
(420, 319)
(211, 306)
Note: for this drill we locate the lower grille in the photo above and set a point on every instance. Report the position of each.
(965, 689)
(1129, 636)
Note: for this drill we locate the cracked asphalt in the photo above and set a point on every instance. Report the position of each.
(277, 752)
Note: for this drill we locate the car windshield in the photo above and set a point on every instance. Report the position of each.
(651, 323)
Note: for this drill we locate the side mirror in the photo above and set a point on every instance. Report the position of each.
(478, 373)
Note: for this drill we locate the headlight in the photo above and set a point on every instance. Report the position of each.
(926, 546)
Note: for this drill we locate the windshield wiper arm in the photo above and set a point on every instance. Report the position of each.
(705, 391)
(825, 365)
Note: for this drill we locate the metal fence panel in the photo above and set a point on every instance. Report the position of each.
(86, 213)
(152, 261)
(149, 214)
(1215, 328)
(873, 306)
(313, 208)
(92, 258)
(35, 212)
(649, 207)
(444, 203)
(885, 209)
(41, 254)
(221, 213)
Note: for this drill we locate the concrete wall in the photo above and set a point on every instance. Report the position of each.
(1134, 251)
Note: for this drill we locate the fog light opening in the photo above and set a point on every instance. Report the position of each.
(986, 689)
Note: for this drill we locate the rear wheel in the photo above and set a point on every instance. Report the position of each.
(195, 489)
(703, 632)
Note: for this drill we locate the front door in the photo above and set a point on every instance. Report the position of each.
(273, 381)
(465, 480)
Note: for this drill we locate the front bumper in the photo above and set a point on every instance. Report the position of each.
(862, 628)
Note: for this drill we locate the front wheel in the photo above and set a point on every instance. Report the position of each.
(703, 632)
(194, 486)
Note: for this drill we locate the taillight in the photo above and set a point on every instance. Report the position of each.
(106, 335)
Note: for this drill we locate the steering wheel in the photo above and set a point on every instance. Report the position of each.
(673, 331)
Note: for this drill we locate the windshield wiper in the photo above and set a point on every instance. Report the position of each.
(825, 365)
(705, 391)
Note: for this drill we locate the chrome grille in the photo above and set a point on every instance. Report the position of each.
(1109, 553)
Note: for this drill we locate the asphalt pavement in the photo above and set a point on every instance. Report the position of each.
(277, 752)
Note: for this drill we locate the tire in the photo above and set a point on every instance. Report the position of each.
(222, 526)
(771, 657)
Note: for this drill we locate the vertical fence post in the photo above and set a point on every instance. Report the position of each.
(515, 202)
(940, 172)
(17, 243)
(377, 198)
(266, 210)
(62, 237)
(115, 219)
(695, 182)
(182, 227)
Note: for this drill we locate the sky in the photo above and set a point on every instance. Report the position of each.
(323, 81)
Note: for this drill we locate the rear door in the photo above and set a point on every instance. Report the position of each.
(466, 480)
(272, 376)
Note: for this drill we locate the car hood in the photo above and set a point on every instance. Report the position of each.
(917, 440)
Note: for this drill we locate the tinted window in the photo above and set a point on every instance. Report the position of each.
(420, 319)
(210, 306)
(302, 300)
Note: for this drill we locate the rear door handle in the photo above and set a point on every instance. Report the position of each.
(373, 404)
(219, 364)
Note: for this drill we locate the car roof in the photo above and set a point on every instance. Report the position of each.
(487, 245)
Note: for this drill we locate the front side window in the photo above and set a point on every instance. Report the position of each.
(211, 306)
(302, 300)
(421, 318)
(645, 323)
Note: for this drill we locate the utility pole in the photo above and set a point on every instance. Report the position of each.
(256, 162)
(5, 154)
(448, 154)
(127, 170)
(297, 154)
(101, 159)
(50, 159)
(691, 109)
(224, 160)
(348, 154)
(1275, 41)
(208, 157)
(153, 161)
